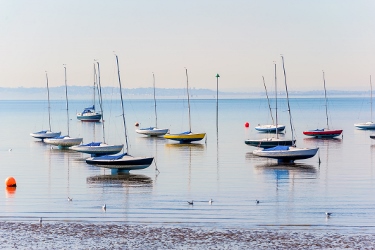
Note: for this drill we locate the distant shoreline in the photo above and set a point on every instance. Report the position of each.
(86, 93)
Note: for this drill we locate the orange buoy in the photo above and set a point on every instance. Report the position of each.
(136, 124)
(10, 182)
(247, 124)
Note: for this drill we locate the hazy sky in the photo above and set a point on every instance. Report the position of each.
(239, 39)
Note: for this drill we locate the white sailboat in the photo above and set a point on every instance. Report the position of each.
(153, 131)
(272, 141)
(188, 136)
(286, 153)
(44, 134)
(270, 128)
(89, 114)
(121, 162)
(64, 141)
(370, 124)
(98, 148)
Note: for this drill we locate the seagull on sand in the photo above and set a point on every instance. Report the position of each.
(210, 201)
(70, 199)
(190, 202)
(104, 207)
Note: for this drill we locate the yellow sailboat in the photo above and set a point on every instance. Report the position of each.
(188, 136)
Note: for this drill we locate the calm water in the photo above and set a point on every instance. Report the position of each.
(222, 167)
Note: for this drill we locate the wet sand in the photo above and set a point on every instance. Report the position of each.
(58, 235)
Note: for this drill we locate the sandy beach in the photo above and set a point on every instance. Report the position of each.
(57, 235)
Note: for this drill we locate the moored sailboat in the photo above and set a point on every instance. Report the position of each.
(153, 131)
(89, 114)
(121, 162)
(370, 124)
(286, 153)
(64, 141)
(188, 136)
(44, 134)
(325, 132)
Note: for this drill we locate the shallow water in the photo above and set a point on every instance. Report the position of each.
(221, 167)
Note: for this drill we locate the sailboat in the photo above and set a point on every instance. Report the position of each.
(46, 133)
(153, 131)
(325, 132)
(188, 136)
(370, 124)
(64, 141)
(121, 162)
(272, 141)
(270, 128)
(286, 153)
(98, 148)
(89, 114)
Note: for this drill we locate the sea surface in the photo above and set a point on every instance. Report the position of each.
(340, 179)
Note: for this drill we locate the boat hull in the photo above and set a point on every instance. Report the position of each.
(126, 163)
(152, 131)
(270, 128)
(269, 142)
(185, 138)
(324, 133)
(288, 155)
(102, 149)
(365, 125)
(45, 134)
(89, 117)
(64, 142)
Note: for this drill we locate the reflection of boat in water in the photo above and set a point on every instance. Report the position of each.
(133, 180)
(287, 171)
(182, 147)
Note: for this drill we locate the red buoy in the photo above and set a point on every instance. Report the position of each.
(10, 182)
(247, 124)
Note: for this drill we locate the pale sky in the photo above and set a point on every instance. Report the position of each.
(239, 39)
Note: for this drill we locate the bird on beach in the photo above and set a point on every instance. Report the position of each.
(256, 201)
(328, 214)
(70, 199)
(210, 201)
(190, 202)
(104, 207)
(40, 221)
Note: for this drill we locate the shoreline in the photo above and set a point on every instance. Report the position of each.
(64, 235)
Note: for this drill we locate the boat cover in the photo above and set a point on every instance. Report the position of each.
(41, 132)
(150, 128)
(88, 110)
(59, 137)
(185, 133)
(109, 157)
(92, 144)
(277, 148)
(318, 130)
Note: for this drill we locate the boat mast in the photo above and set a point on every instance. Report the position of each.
(217, 103)
(269, 105)
(325, 96)
(94, 87)
(49, 106)
(371, 97)
(156, 116)
(187, 89)
(122, 103)
(277, 131)
(287, 98)
(66, 97)
(100, 98)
